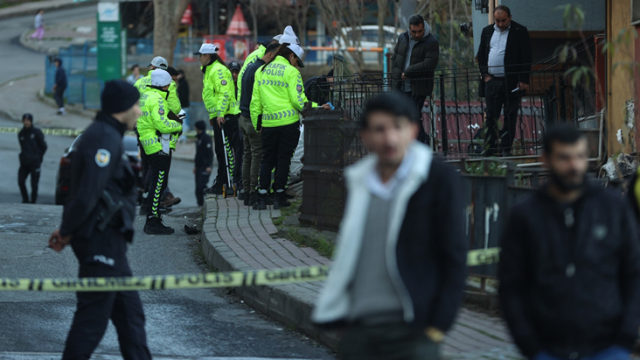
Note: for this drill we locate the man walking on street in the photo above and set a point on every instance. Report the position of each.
(569, 269)
(504, 57)
(97, 222)
(399, 273)
(204, 160)
(414, 60)
(251, 137)
(60, 86)
(33, 147)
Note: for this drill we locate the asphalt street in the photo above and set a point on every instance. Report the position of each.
(18, 61)
(181, 324)
(181, 179)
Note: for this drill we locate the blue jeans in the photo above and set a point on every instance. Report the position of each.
(612, 353)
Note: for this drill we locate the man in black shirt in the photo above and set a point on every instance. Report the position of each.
(569, 269)
(32, 147)
(252, 140)
(97, 221)
(204, 160)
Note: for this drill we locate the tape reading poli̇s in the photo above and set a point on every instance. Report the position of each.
(200, 281)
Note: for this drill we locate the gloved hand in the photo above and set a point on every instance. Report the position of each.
(182, 115)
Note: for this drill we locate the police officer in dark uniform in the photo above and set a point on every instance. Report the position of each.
(98, 223)
(32, 147)
(204, 160)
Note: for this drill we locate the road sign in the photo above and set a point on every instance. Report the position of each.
(111, 42)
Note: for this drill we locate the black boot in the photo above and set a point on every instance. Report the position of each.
(280, 200)
(251, 199)
(261, 202)
(154, 226)
(241, 195)
(215, 189)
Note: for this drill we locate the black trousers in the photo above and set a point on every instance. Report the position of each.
(104, 255)
(58, 96)
(159, 166)
(497, 95)
(233, 150)
(202, 179)
(387, 342)
(278, 145)
(144, 159)
(418, 100)
(29, 168)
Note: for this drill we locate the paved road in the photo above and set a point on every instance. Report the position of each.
(21, 61)
(181, 180)
(182, 324)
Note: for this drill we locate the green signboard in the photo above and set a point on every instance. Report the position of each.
(111, 42)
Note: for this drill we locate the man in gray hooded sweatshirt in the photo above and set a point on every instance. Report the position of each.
(414, 60)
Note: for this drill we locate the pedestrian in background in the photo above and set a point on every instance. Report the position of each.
(97, 222)
(504, 57)
(251, 137)
(32, 149)
(135, 74)
(413, 62)
(204, 160)
(183, 96)
(60, 86)
(38, 24)
(569, 268)
(398, 276)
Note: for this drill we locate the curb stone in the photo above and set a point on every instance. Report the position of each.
(70, 108)
(287, 304)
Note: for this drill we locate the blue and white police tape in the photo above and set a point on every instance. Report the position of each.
(200, 281)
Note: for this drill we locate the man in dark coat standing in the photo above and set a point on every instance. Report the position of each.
(60, 86)
(414, 60)
(33, 147)
(204, 160)
(505, 59)
(569, 268)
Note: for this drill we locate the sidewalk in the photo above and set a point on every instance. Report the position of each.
(31, 7)
(21, 96)
(61, 36)
(236, 237)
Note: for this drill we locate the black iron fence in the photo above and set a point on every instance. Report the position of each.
(454, 117)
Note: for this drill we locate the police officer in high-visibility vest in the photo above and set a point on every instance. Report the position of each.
(252, 58)
(158, 62)
(97, 222)
(218, 95)
(156, 131)
(278, 98)
(175, 112)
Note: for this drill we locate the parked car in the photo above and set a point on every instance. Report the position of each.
(368, 35)
(63, 182)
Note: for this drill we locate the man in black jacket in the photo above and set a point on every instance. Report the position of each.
(251, 137)
(60, 86)
(398, 276)
(569, 269)
(33, 147)
(413, 62)
(204, 160)
(97, 221)
(505, 59)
